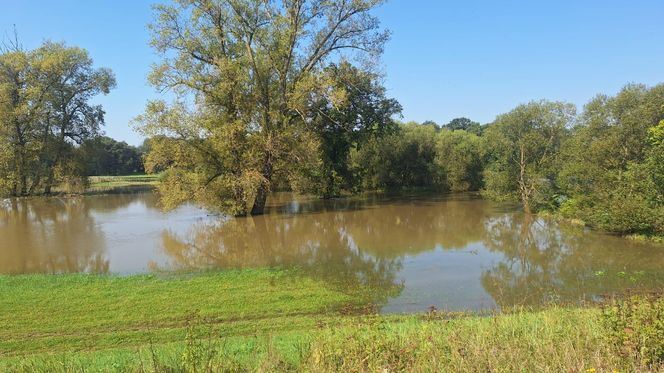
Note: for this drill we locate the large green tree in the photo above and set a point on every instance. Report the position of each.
(69, 116)
(523, 147)
(464, 124)
(21, 98)
(44, 111)
(241, 69)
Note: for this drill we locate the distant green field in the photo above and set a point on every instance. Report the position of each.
(112, 182)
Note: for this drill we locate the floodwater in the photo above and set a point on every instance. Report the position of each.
(454, 252)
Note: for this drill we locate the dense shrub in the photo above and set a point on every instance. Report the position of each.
(613, 169)
(459, 157)
(404, 159)
(636, 327)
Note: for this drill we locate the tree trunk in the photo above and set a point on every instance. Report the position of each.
(22, 176)
(49, 184)
(51, 176)
(58, 155)
(21, 170)
(264, 188)
(261, 199)
(35, 183)
(523, 183)
(24, 184)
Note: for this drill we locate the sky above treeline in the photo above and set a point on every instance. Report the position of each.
(446, 59)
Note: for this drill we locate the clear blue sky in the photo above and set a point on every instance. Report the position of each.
(446, 58)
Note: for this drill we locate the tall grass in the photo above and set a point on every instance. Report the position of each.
(555, 340)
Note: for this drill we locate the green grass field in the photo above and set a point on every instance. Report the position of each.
(275, 320)
(112, 182)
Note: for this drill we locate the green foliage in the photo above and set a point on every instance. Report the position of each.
(104, 156)
(220, 170)
(7, 174)
(522, 147)
(350, 108)
(459, 157)
(464, 124)
(636, 327)
(252, 69)
(45, 111)
(631, 207)
(655, 159)
(403, 159)
(613, 162)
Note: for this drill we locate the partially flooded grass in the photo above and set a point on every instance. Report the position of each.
(282, 320)
(86, 312)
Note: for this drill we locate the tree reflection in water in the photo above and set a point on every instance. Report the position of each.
(356, 242)
(50, 236)
(318, 246)
(546, 262)
(454, 251)
(368, 241)
(58, 235)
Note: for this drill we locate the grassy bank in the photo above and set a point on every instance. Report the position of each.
(557, 216)
(274, 320)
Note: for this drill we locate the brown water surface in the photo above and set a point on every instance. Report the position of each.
(453, 252)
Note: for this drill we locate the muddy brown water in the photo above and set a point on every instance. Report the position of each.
(454, 252)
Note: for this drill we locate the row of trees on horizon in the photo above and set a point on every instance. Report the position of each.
(603, 166)
(289, 96)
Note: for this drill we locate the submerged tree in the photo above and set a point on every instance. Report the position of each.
(245, 65)
(523, 147)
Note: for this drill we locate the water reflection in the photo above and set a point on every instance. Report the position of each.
(548, 262)
(70, 235)
(28, 226)
(454, 252)
(319, 244)
(457, 252)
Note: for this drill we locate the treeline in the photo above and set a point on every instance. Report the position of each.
(269, 98)
(50, 132)
(103, 156)
(604, 166)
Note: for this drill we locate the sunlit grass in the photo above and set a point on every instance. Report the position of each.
(109, 182)
(281, 320)
(83, 312)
